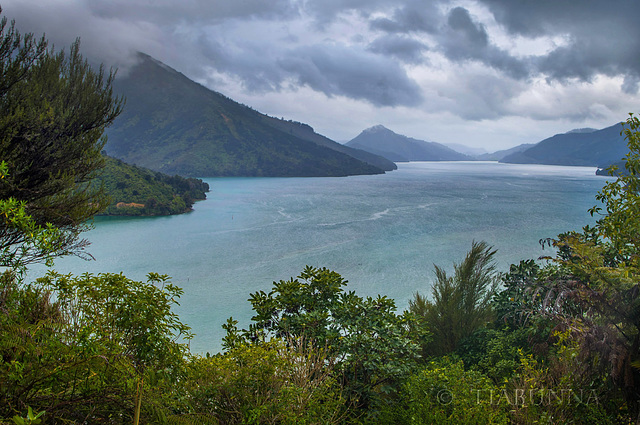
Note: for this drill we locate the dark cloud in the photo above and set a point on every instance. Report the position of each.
(602, 36)
(599, 36)
(339, 70)
(463, 39)
(411, 16)
(404, 48)
(631, 84)
(458, 36)
(252, 63)
(544, 17)
(192, 11)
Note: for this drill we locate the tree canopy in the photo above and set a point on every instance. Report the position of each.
(54, 109)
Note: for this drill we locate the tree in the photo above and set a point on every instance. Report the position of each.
(37, 241)
(80, 347)
(373, 346)
(461, 303)
(54, 109)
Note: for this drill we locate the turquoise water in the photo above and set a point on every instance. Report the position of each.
(383, 233)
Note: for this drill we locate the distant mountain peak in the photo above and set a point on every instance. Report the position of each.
(380, 140)
(376, 129)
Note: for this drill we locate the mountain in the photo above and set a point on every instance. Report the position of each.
(305, 132)
(498, 155)
(139, 191)
(381, 141)
(599, 148)
(467, 150)
(177, 126)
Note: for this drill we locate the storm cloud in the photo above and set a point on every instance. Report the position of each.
(603, 37)
(339, 70)
(475, 62)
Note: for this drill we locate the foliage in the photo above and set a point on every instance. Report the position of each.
(598, 294)
(372, 345)
(461, 303)
(53, 111)
(38, 243)
(31, 418)
(568, 388)
(516, 300)
(495, 352)
(139, 191)
(619, 224)
(445, 393)
(265, 384)
(496, 349)
(81, 356)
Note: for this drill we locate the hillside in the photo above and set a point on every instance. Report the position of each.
(498, 155)
(138, 191)
(599, 148)
(304, 131)
(174, 125)
(381, 141)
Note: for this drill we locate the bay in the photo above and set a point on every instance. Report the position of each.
(382, 233)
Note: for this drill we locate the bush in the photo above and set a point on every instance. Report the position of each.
(265, 384)
(84, 356)
(444, 393)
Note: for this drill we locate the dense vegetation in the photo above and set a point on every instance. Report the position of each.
(555, 341)
(176, 126)
(140, 191)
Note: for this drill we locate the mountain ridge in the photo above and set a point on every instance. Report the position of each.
(599, 148)
(177, 126)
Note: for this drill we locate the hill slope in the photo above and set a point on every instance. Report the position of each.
(598, 148)
(174, 125)
(395, 147)
(498, 155)
(304, 131)
(140, 191)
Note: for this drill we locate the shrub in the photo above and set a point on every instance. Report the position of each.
(444, 393)
(265, 384)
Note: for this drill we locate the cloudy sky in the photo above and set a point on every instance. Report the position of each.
(484, 73)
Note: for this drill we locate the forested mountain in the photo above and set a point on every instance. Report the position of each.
(585, 147)
(174, 125)
(305, 131)
(139, 191)
(395, 147)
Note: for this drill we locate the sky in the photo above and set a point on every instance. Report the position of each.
(489, 74)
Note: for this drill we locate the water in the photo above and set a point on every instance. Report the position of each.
(383, 233)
